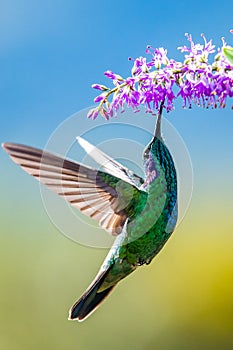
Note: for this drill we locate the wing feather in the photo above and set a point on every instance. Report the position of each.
(109, 164)
(93, 192)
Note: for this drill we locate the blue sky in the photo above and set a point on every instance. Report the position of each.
(50, 54)
(52, 51)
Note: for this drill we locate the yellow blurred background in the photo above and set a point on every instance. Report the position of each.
(182, 300)
(51, 53)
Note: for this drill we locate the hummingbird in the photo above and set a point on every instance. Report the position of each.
(140, 212)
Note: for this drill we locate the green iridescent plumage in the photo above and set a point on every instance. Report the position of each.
(151, 222)
(141, 212)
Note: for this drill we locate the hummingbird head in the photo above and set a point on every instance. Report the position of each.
(157, 138)
(158, 160)
(151, 154)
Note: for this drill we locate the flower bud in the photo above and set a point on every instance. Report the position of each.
(228, 53)
(99, 87)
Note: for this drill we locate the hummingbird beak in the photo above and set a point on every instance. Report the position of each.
(157, 133)
(158, 127)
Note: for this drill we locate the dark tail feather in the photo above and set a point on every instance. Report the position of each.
(90, 300)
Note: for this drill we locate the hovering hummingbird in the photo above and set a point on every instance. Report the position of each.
(142, 213)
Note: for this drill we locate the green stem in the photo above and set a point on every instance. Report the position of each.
(111, 92)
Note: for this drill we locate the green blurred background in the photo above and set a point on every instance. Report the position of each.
(50, 54)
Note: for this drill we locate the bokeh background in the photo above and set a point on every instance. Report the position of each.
(50, 54)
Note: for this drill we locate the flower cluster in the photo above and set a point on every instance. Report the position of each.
(159, 81)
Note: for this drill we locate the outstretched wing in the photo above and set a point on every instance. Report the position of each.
(109, 164)
(102, 196)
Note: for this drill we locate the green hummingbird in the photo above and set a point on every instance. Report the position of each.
(142, 213)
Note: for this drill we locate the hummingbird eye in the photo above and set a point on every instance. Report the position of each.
(146, 153)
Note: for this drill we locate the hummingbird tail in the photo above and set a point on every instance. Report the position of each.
(90, 300)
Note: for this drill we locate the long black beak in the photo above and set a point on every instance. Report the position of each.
(158, 127)
(157, 133)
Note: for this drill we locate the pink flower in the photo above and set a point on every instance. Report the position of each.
(162, 80)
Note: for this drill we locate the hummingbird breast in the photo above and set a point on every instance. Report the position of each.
(149, 230)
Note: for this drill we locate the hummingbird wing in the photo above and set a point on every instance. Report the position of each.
(102, 196)
(109, 164)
